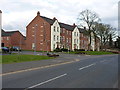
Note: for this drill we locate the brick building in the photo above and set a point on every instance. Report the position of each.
(45, 34)
(12, 38)
(84, 39)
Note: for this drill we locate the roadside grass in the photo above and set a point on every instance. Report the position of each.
(91, 52)
(22, 58)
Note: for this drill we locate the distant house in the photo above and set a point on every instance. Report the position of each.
(12, 38)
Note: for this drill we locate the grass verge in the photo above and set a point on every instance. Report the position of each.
(92, 52)
(21, 58)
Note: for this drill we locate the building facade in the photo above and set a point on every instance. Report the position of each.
(12, 39)
(45, 34)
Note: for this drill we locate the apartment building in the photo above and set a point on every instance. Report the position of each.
(45, 34)
(12, 38)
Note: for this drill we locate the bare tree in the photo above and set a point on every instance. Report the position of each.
(104, 32)
(88, 19)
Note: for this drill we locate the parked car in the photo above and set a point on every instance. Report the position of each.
(5, 50)
(15, 49)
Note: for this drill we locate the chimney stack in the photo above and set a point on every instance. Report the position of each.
(38, 13)
(54, 18)
(74, 25)
(84, 28)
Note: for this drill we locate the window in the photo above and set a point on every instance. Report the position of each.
(33, 35)
(57, 38)
(67, 40)
(7, 38)
(63, 38)
(54, 38)
(77, 33)
(57, 29)
(77, 41)
(74, 40)
(61, 30)
(54, 46)
(54, 28)
(67, 32)
(60, 38)
(33, 45)
(74, 33)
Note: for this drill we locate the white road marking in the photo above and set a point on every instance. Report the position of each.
(47, 81)
(103, 61)
(87, 66)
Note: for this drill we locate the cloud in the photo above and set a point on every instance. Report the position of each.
(18, 13)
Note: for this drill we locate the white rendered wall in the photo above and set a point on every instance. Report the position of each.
(92, 41)
(56, 33)
(76, 37)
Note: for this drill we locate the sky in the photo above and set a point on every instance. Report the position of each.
(17, 14)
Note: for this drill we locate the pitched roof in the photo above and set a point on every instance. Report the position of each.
(9, 33)
(50, 21)
(62, 25)
(66, 26)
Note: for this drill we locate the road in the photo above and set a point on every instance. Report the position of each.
(98, 72)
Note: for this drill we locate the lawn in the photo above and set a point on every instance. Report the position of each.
(22, 58)
(93, 52)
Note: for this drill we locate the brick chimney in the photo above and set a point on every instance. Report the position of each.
(54, 18)
(38, 13)
(74, 25)
(84, 28)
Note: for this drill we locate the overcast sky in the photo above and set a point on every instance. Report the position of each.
(18, 13)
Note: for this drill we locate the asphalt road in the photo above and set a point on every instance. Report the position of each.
(99, 72)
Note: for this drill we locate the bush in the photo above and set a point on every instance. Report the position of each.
(79, 49)
(58, 50)
(64, 50)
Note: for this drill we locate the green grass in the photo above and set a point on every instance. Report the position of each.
(93, 52)
(97, 52)
(22, 58)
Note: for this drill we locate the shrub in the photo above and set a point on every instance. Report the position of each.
(58, 50)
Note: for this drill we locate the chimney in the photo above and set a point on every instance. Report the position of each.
(84, 28)
(54, 18)
(38, 13)
(74, 25)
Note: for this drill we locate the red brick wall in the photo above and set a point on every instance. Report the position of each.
(16, 39)
(83, 41)
(7, 42)
(42, 34)
(66, 34)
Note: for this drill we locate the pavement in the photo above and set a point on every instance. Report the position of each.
(85, 72)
